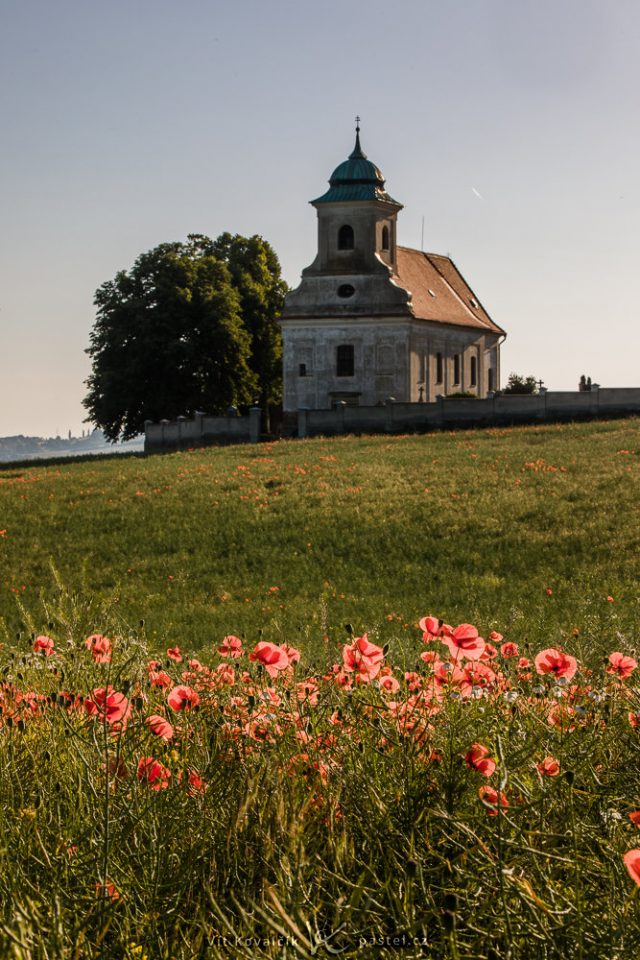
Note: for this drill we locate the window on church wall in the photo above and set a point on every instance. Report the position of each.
(439, 368)
(491, 379)
(385, 238)
(474, 372)
(302, 370)
(456, 368)
(345, 237)
(345, 360)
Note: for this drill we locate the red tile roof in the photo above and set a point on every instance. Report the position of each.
(439, 291)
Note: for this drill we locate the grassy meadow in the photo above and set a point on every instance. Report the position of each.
(394, 790)
(474, 526)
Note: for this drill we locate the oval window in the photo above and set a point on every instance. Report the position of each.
(346, 290)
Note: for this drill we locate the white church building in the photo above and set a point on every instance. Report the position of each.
(372, 320)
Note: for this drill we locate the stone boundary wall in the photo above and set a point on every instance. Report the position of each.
(394, 417)
(201, 431)
(501, 409)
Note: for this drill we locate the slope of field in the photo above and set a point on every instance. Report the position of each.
(418, 791)
(526, 530)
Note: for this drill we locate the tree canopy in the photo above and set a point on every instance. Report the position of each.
(190, 327)
(519, 384)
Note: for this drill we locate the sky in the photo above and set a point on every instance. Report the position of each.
(510, 126)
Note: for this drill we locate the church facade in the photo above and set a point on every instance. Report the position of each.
(372, 320)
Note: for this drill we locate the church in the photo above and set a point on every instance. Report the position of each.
(372, 320)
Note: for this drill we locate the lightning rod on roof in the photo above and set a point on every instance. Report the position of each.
(422, 236)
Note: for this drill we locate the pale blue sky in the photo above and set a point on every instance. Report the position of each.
(127, 124)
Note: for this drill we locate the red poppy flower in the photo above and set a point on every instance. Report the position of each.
(494, 800)
(634, 816)
(362, 658)
(110, 891)
(556, 662)
(293, 655)
(632, 863)
(231, 647)
(196, 784)
(183, 698)
(100, 647)
(44, 644)
(477, 758)
(160, 678)
(108, 705)
(272, 657)
(159, 726)
(510, 650)
(389, 684)
(153, 773)
(430, 627)
(549, 767)
(174, 654)
(464, 642)
(621, 666)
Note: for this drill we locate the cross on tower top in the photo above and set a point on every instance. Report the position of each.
(357, 124)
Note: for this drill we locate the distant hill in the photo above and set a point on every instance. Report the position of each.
(38, 448)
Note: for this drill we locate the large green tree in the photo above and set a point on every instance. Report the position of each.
(255, 273)
(190, 327)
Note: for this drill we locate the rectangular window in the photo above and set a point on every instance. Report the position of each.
(302, 370)
(439, 368)
(456, 368)
(344, 360)
(474, 371)
(492, 384)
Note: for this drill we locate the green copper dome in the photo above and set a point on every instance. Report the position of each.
(356, 179)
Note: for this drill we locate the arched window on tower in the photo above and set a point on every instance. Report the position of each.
(345, 237)
(385, 238)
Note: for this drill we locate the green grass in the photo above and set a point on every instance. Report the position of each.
(473, 525)
(336, 816)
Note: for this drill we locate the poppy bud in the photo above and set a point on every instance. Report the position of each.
(412, 868)
(569, 776)
(450, 902)
(449, 922)
(385, 649)
(21, 726)
(349, 629)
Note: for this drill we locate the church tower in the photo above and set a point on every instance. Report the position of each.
(351, 331)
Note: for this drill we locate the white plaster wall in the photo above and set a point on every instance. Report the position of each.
(381, 352)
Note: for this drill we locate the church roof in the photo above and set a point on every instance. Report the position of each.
(439, 291)
(356, 179)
